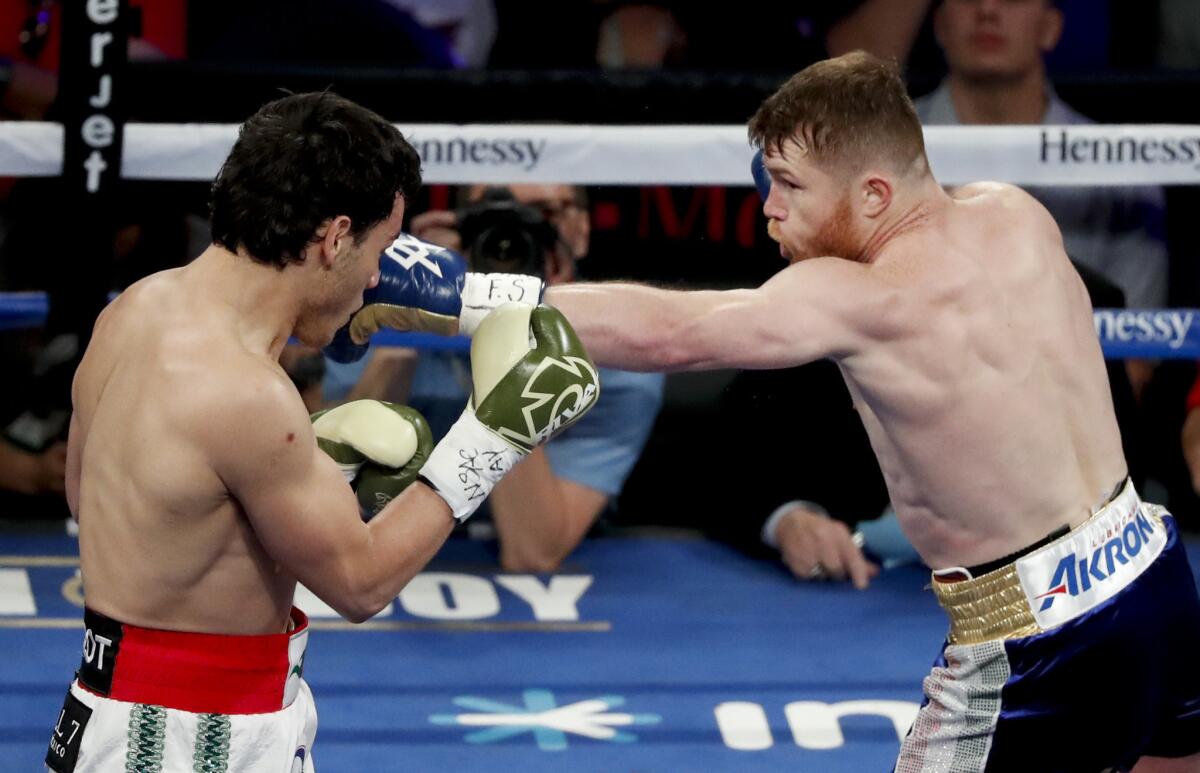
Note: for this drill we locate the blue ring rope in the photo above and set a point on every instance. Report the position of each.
(1166, 334)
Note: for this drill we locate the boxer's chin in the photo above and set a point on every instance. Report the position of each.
(773, 230)
(773, 233)
(316, 332)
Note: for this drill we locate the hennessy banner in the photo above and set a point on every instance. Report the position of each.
(1097, 154)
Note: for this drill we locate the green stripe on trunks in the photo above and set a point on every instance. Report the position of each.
(146, 739)
(212, 744)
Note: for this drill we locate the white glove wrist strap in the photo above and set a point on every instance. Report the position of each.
(483, 292)
(467, 463)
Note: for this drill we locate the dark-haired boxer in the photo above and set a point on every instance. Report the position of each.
(200, 488)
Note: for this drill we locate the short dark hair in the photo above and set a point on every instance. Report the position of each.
(301, 160)
(844, 112)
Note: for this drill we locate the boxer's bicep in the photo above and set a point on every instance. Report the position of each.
(802, 314)
(295, 498)
(642, 328)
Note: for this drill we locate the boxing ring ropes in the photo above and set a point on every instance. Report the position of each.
(1091, 155)
(715, 699)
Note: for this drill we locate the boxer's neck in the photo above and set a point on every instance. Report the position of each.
(262, 300)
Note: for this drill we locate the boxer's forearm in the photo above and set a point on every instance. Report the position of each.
(403, 538)
(642, 328)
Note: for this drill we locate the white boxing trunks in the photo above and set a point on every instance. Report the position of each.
(150, 700)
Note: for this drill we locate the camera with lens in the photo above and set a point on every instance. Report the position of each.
(499, 234)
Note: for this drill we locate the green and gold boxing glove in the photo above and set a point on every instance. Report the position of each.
(532, 379)
(380, 448)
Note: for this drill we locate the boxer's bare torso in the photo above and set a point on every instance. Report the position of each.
(192, 467)
(163, 543)
(982, 386)
(967, 343)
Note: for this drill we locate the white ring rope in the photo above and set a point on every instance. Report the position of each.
(1126, 154)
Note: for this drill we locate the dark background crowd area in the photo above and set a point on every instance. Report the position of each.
(219, 60)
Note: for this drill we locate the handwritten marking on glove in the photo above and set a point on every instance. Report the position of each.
(470, 470)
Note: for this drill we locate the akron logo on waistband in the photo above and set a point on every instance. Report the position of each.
(1104, 561)
(1091, 566)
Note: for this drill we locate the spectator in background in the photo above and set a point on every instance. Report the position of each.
(994, 51)
(548, 503)
(34, 391)
(341, 33)
(802, 503)
(1179, 34)
(30, 31)
(28, 81)
(469, 26)
(33, 473)
(753, 37)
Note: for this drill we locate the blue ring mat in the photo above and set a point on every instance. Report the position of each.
(464, 674)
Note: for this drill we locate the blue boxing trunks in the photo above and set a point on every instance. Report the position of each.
(1082, 655)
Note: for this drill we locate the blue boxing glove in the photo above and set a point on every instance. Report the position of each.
(426, 288)
(762, 178)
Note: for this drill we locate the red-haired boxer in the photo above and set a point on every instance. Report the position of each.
(966, 339)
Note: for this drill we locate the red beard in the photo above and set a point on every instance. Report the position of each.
(836, 237)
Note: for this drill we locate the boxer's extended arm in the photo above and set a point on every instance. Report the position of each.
(305, 515)
(800, 315)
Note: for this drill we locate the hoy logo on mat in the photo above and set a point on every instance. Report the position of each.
(455, 600)
(454, 596)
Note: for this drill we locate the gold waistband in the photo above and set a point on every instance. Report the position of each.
(994, 606)
(989, 607)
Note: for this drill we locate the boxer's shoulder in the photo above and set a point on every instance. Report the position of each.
(1003, 199)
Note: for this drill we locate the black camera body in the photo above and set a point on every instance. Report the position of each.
(499, 234)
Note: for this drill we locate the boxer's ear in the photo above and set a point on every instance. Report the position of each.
(875, 194)
(333, 238)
